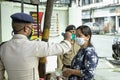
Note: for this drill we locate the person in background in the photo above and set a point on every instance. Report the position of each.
(84, 63)
(20, 56)
(64, 61)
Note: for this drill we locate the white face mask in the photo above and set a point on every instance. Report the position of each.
(80, 41)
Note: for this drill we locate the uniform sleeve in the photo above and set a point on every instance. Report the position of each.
(44, 49)
(60, 62)
(91, 62)
(2, 68)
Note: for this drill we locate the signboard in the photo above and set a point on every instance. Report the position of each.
(37, 33)
(54, 28)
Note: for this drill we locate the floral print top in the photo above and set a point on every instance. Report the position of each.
(86, 61)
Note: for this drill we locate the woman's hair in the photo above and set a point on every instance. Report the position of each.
(86, 31)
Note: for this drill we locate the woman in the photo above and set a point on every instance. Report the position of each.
(85, 62)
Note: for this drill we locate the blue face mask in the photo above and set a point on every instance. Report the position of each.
(80, 41)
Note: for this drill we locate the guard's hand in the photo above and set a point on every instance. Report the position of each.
(67, 36)
(67, 72)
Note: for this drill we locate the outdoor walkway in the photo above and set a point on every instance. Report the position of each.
(107, 71)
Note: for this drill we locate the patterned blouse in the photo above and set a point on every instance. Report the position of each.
(86, 61)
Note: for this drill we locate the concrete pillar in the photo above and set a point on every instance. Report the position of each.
(93, 1)
(93, 19)
(117, 24)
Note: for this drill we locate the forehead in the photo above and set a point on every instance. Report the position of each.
(78, 32)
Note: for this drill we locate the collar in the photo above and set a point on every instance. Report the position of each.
(19, 36)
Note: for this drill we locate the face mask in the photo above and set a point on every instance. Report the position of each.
(73, 36)
(80, 41)
(29, 37)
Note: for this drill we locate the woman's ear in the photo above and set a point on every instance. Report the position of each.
(88, 37)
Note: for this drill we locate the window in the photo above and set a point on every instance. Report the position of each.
(86, 2)
(97, 1)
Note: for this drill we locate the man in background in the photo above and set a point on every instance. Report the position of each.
(64, 61)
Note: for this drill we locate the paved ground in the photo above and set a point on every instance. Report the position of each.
(107, 71)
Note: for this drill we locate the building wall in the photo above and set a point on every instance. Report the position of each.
(75, 16)
(0, 24)
(105, 13)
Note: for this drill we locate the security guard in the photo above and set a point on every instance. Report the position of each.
(20, 56)
(64, 61)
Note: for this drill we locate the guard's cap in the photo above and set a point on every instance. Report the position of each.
(70, 27)
(22, 18)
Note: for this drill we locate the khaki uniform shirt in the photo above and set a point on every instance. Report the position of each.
(21, 56)
(67, 58)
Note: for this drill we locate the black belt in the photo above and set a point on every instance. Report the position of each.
(67, 66)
